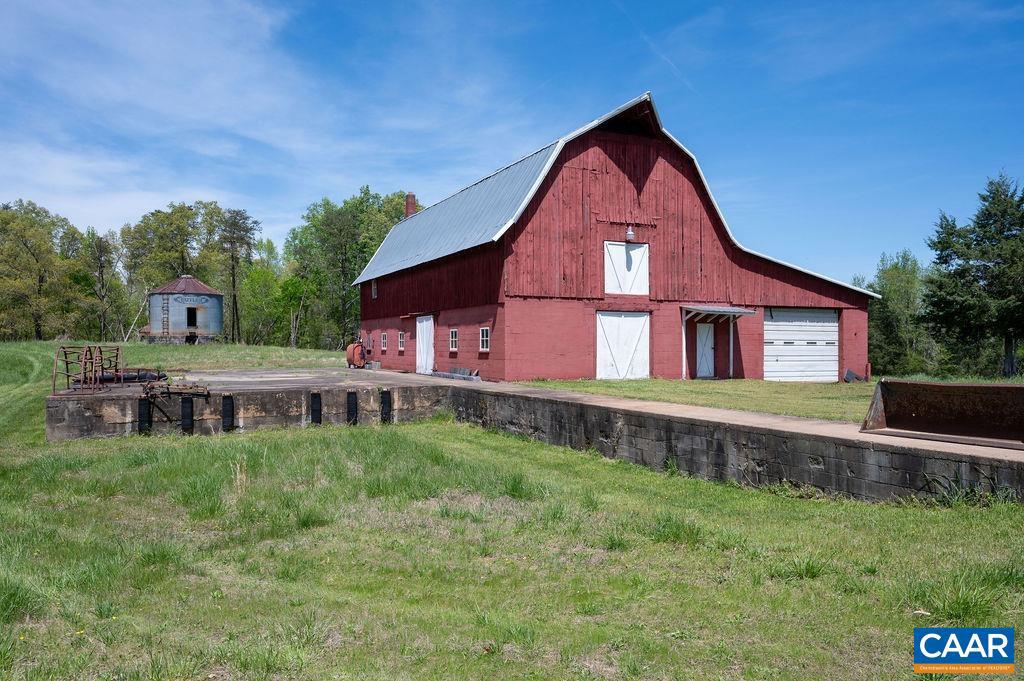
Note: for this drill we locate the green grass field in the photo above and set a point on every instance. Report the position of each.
(439, 550)
(830, 401)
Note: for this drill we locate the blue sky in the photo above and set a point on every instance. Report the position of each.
(829, 133)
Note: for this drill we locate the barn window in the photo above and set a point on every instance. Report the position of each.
(373, 289)
(383, 341)
(625, 268)
(485, 339)
(401, 341)
(453, 340)
(190, 317)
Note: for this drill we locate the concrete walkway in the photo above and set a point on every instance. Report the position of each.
(274, 379)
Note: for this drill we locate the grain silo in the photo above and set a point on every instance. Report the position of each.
(184, 311)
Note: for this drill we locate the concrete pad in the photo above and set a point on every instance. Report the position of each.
(274, 379)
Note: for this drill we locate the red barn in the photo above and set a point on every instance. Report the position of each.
(601, 255)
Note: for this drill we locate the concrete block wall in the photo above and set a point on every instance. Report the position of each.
(110, 414)
(712, 450)
(748, 455)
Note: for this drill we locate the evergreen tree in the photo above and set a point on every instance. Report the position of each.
(975, 290)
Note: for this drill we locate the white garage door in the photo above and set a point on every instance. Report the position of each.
(623, 345)
(801, 344)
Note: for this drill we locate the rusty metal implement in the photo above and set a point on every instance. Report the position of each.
(154, 389)
(986, 414)
(93, 368)
(82, 367)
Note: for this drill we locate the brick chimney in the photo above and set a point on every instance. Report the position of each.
(410, 204)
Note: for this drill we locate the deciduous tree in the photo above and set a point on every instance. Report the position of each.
(237, 238)
(898, 339)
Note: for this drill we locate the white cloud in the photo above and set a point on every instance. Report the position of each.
(122, 107)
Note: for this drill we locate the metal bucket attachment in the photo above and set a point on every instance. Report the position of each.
(987, 414)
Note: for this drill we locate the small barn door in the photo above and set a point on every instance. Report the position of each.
(625, 268)
(425, 344)
(623, 345)
(705, 351)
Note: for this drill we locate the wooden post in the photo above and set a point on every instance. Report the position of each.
(732, 321)
(685, 316)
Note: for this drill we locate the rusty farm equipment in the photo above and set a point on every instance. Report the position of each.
(92, 368)
(986, 414)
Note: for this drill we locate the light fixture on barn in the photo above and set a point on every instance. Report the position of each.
(630, 234)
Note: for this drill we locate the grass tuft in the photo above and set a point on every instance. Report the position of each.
(670, 529)
(964, 599)
(810, 567)
(159, 554)
(615, 540)
(7, 651)
(515, 486)
(308, 517)
(201, 496)
(104, 610)
(18, 600)
(1008, 574)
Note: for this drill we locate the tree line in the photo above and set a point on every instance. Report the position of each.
(963, 314)
(57, 281)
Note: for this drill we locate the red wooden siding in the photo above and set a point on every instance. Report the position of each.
(603, 182)
(465, 279)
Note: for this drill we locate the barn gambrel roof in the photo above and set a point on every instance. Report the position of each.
(482, 212)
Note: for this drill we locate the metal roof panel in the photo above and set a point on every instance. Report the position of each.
(720, 309)
(186, 283)
(465, 219)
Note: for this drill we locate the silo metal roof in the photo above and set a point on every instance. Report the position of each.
(186, 283)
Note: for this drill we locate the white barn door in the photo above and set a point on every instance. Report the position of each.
(626, 269)
(705, 350)
(425, 344)
(801, 344)
(623, 345)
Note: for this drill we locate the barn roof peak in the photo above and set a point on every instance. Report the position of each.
(482, 212)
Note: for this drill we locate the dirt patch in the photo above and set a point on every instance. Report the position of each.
(510, 652)
(600, 663)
